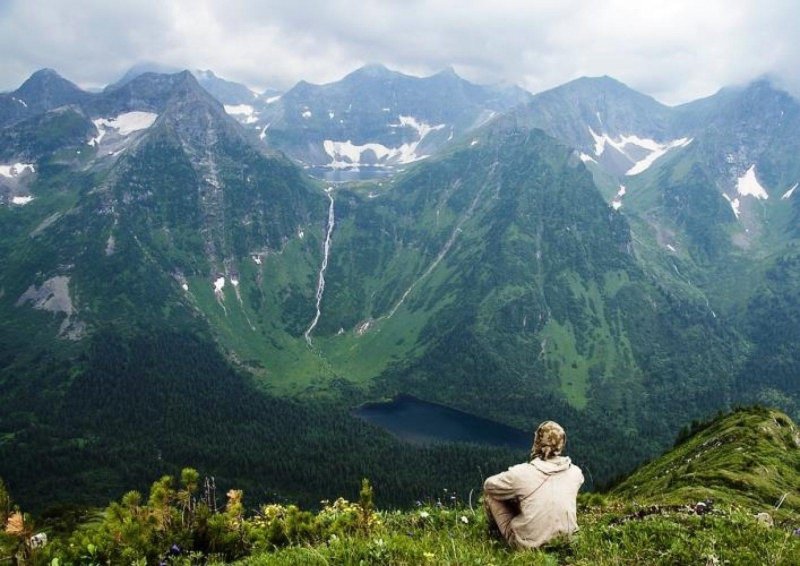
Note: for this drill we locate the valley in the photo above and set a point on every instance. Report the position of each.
(188, 277)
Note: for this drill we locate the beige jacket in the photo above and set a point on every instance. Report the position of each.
(546, 491)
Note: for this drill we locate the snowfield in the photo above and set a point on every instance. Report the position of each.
(125, 124)
(16, 169)
(645, 163)
(346, 154)
(625, 143)
(748, 185)
(243, 112)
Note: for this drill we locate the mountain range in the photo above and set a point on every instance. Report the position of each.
(172, 273)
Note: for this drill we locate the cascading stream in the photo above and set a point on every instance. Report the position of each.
(323, 267)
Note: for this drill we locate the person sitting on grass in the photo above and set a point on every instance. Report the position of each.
(533, 503)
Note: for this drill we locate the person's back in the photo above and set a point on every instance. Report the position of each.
(534, 502)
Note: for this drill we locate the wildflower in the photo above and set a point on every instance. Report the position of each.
(424, 514)
(464, 519)
(429, 555)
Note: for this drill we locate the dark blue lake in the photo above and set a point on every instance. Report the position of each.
(419, 422)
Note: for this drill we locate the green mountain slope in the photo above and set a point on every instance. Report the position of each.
(750, 457)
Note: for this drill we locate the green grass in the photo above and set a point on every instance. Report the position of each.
(606, 350)
(612, 534)
(751, 456)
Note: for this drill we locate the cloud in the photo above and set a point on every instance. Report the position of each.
(675, 51)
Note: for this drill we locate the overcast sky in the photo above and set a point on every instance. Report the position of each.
(674, 50)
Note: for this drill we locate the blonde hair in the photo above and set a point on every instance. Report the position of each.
(549, 441)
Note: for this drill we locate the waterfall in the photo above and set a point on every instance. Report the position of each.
(323, 267)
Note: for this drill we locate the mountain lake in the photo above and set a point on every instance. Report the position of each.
(420, 422)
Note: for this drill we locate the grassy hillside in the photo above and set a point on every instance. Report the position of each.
(751, 457)
(651, 518)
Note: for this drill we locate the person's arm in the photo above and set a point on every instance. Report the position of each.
(502, 486)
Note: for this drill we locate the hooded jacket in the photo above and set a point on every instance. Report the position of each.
(546, 491)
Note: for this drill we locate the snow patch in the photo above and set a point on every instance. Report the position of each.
(473, 142)
(616, 204)
(586, 158)
(24, 104)
(734, 205)
(788, 194)
(625, 143)
(257, 259)
(125, 124)
(601, 140)
(272, 99)
(644, 164)
(306, 114)
(331, 115)
(242, 112)
(346, 154)
(185, 286)
(21, 201)
(16, 169)
(748, 185)
(263, 133)
(219, 284)
(422, 128)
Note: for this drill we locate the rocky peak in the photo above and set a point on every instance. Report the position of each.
(46, 89)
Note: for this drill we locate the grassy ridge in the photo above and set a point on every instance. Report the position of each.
(749, 457)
